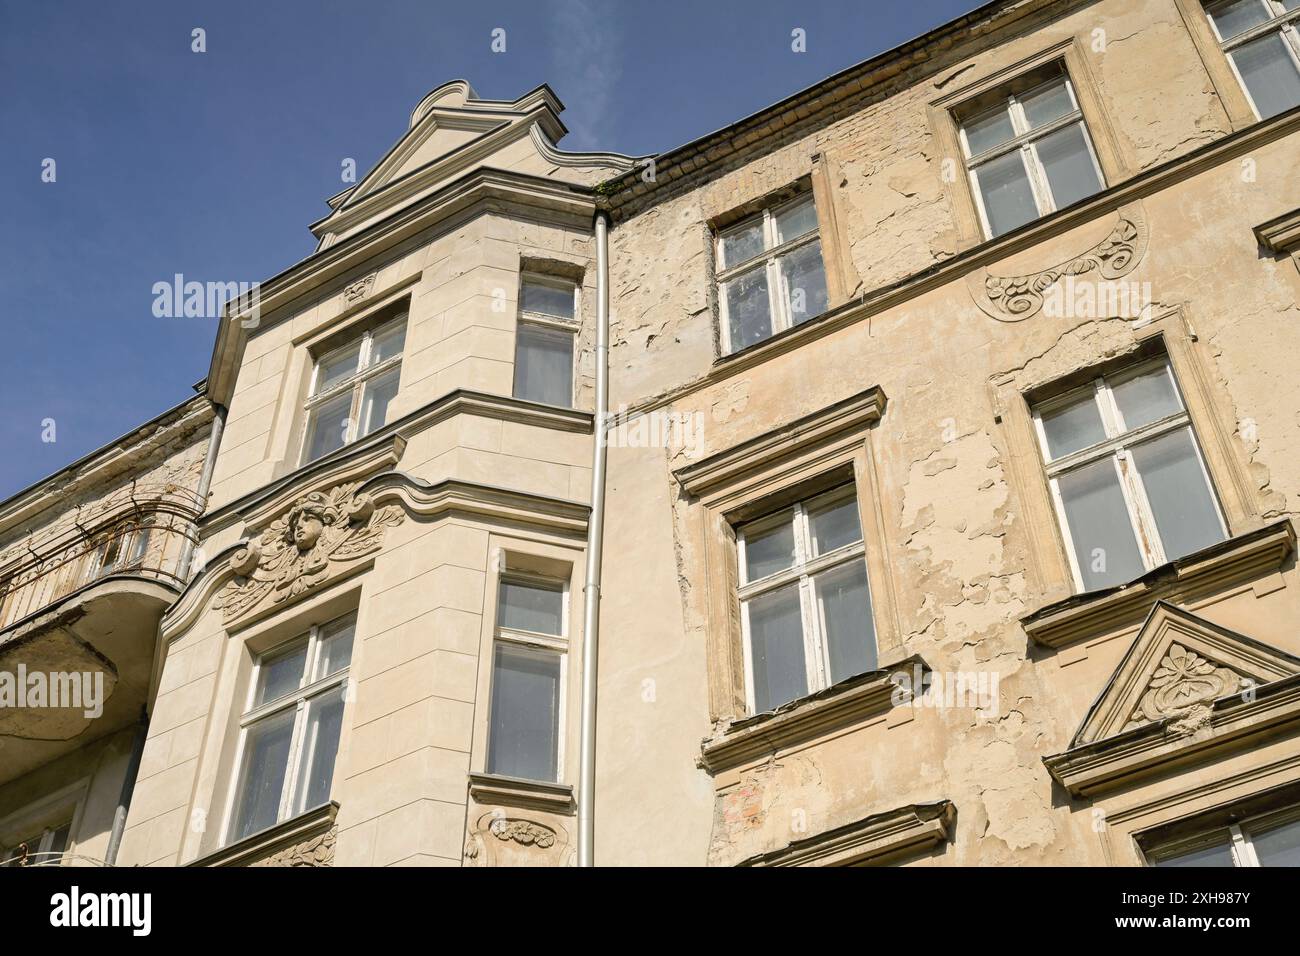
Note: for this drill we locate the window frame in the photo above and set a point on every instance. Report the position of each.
(1025, 142)
(534, 641)
(549, 322)
(805, 568)
(1286, 24)
(769, 259)
(9, 854)
(357, 382)
(1241, 836)
(1117, 447)
(299, 700)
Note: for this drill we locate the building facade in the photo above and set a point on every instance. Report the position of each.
(951, 478)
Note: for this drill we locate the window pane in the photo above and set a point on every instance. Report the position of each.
(280, 675)
(1047, 103)
(334, 650)
(531, 607)
(546, 298)
(1146, 398)
(525, 712)
(261, 782)
(1099, 525)
(320, 746)
(1004, 186)
(1068, 164)
(844, 605)
(1180, 497)
(743, 243)
(795, 220)
(328, 426)
(748, 308)
(1269, 74)
(1238, 16)
(544, 365)
(1219, 855)
(835, 525)
(337, 367)
(1072, 426)
(805, 282)
(375, 398)
(776, 648)
(992, 129)
(387, 343)
(1278, 847)
(769, 551)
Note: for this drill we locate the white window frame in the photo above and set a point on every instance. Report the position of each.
(356, 382)
(816, 648)
(1283, 22)
(1117, 444)
(298, 701)
(536, 641)
(554, 323)
(1025, 142)
(36, 854)
(1240, 839)
(777, 298)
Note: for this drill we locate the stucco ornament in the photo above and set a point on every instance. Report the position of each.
(1183, 681)
(318, 851)
(299, 549)
(523, 832)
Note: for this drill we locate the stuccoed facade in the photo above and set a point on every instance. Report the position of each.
(889, 412)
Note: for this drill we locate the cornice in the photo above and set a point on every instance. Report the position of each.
(266, 842)
(496, 790)
(880, 838)
(553, 154)
(1281, 234)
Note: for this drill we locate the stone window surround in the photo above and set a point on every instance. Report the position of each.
(259, 847)
(1013, 399)
(942, 113)
(876, 840)
(1275, 806)
(1232, 96)
(815, 453)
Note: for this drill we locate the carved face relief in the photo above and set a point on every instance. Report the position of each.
(306, 529)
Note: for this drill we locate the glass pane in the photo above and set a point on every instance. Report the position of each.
(525, 712)
(1068, 164)
(531, 607)
(1239, 16)
(804, 282)
(835, 525)
(546, 298)
(261, 781)
(1146, 398)
(769, 551)
(59, 845)
(1278, 847)
(776, 648)
(387, 343)
(376, 395)
(1269, 73)
(991, 129)
(1004, 186)
(544, 365)
(1179, 495)
(334, 649)
(280, 675)
(320, 746)
(748, 308)
(795, 220)
(742, 243)
(328, 426)
(1047, 103)
(1072, 426)
(844, 605)
(335, 368)
(1099, 525)
(1218, 855)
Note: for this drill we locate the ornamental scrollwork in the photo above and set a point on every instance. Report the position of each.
(318, 851)
(1182, 681)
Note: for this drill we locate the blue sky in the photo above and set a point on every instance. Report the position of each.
(212, 164)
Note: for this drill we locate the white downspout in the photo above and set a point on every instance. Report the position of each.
(595, 532)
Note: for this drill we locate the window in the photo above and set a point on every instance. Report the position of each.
(544, 340)
(351, 387)
(1126, 473)
(1028, 152)
(805, 604)
(770, 274)
(528, 667)
(1263, 841)
(1261, 42)
(289, 735)
(43, 848)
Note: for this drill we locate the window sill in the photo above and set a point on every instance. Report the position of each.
(838, 706)
(498, 790)
(1208, 571)
(295, 833)
(872, 841)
